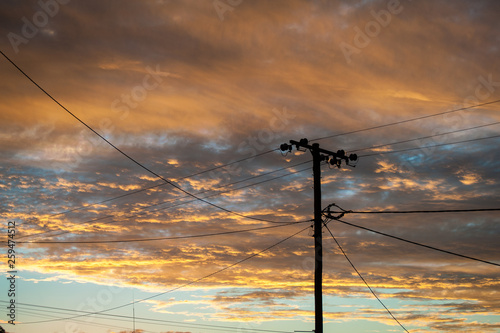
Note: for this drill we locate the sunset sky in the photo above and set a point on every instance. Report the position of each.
(196, 96)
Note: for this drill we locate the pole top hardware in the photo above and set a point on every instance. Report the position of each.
(334, 159)
(328, 213)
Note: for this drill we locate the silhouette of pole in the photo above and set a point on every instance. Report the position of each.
(335, 159)
(318, 241)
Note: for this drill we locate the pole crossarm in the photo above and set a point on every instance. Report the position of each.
(334, 158)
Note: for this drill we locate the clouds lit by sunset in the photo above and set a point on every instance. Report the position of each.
(159, 200)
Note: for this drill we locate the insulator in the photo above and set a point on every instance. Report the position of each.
(285, 147)
(340, 153)
(353, 157)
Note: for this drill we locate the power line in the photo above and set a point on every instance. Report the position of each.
(272, 150)
(427, 211)
(128, 156)
(201, 192)
(231, 190)
(304, 170)
(407, 120)
(237, 189)
(186, 202)
(179, 287)
(180, 188)
(416, 243)
(343, 211)
(142, 319)
(431, 146)
(160, 185)
(366, 155)
(265, 152)
(361, 130)
(362, 278)
(161, 238)
(424, 137)
(33, 312)
(221, 166)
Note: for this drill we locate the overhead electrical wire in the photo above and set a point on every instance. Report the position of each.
(185, 202)
(221, 166)
(228, 191)
(430, 146)
(344, 211)
(235, 189)
(387, 152)
(224, 165)
(262, 228)
(365, 155)
(263, 153)
(423, 137)
(363, 279)
(176, 288)
(174, 185)
(22, 312)
(272, 150)
(159, 185)
(426, 211)
(418, 244)
(359, 156)
(250, 217)
(198, 193)
(160, 238)
(407, 120)
(222, 208)
(374, 154)
(58, 310)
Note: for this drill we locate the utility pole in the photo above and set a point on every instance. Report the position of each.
(319, 155)
(318, 241)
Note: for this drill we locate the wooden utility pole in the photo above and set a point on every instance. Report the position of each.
(318, 241)
(319, 155)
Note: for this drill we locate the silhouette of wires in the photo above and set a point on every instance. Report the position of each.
(166, 181)
(62, 311)
(424, 137)
(162, 184)
(417, 243)
(407, 120)
(365, 155)
(342, 211)
(174, 185)
(362, 278)
(186, 202)
(176, 288)
(272, 150)
(430, 146)
(329, 214)
(161, 238)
